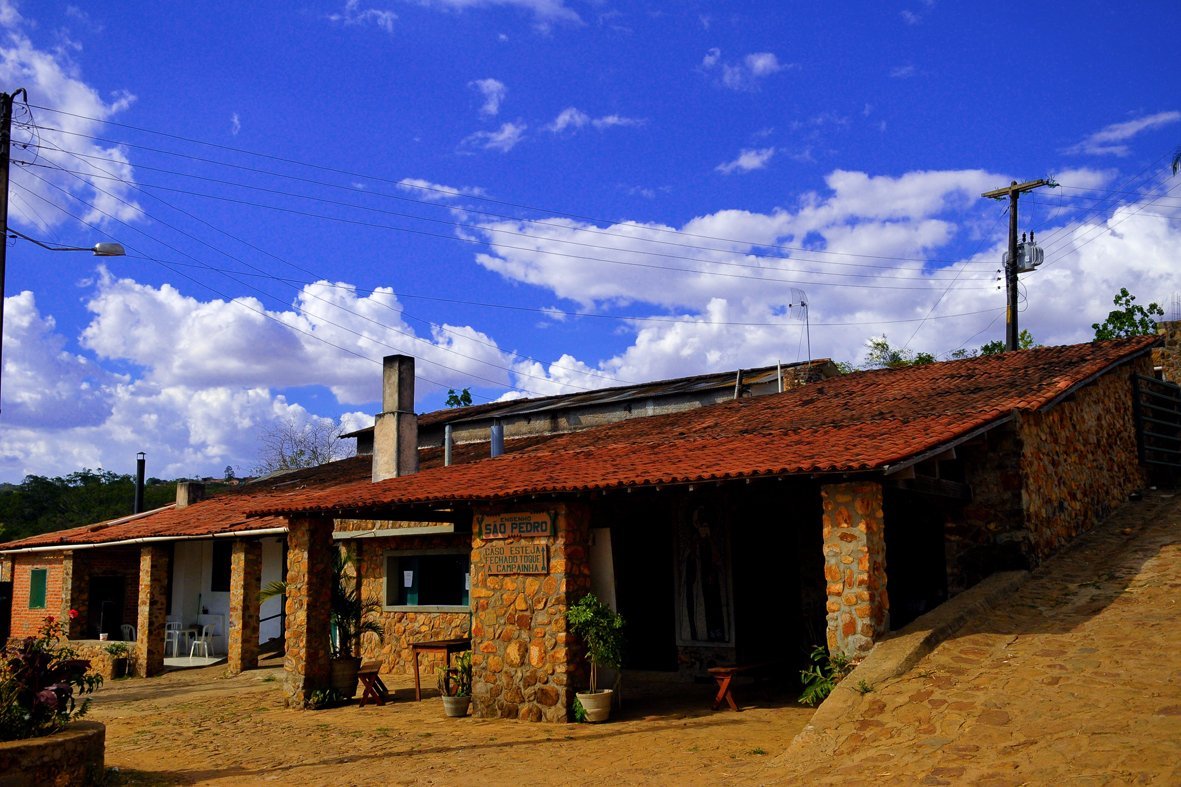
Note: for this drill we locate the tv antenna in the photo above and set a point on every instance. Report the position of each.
(798, 310)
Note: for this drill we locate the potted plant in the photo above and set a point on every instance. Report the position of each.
(118, 651)
(455, 684)
(350, 616)
(601, 630)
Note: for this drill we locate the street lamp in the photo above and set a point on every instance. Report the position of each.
(98, 249)
(105, 249)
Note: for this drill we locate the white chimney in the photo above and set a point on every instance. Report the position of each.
(395, 431)
(189, 492)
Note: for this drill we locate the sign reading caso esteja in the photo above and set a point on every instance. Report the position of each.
(531, 523)
(525, 558)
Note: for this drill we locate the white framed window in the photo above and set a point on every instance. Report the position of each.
(427, 580)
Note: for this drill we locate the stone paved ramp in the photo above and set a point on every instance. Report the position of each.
(1073, 679)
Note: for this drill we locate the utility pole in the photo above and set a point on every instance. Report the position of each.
(1013, 191)
(5, 145)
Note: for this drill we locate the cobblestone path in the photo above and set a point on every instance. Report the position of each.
(1077, 680)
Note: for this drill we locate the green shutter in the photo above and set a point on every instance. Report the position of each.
(38, 579)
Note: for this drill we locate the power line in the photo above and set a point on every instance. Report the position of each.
(477, 228)
(451, 193)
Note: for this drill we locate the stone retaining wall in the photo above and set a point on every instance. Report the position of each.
(71, 757)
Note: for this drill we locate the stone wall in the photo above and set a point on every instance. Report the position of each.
(102, 662)
(854, 566)
(524, 663)
(1168, 356)
(403, 627)
(70, 757)
(1079, 460)
(987, 534)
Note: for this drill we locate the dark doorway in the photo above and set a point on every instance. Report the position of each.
(916, 566)
(5, 610)
(107, 596)
(641, 539)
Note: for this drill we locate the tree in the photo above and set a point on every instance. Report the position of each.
(289, 445)
(879, 354)
(1129, 319)
(461, 399)
(41, 505)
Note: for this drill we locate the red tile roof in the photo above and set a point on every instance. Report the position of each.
(860, 422)
(227, 512)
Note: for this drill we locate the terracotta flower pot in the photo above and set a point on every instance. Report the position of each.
(597, 705)
(456, 707)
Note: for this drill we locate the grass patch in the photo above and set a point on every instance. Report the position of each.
(758, 750)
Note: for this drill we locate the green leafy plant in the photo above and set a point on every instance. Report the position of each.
(325, 698)
(461, 398)
(822, 676)
(457, 681)
(864, 687)
(579, 711)
(601, 630)
(1128, 319)
(40, 681)
(350, 616)
(118, 650)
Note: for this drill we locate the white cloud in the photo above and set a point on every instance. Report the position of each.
(568, 118)
(744, 74)
(503, 139)
(56, 82)
(1108, 141)
(436, 192)
(748, 160)
(903, 72)
(493, 91)
(572, 118)
(235, 124)
(354, 15)
(544, 11)
(760, 64)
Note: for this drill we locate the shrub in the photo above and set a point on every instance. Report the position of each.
(457, 681)
(41, 679)
(822, 677)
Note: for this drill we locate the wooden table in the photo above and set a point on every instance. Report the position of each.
(443, 647)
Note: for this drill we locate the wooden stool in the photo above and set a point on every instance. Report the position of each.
(374, 689)
(724, 676)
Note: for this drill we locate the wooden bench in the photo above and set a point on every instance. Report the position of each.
(374, 689)
(725, 674)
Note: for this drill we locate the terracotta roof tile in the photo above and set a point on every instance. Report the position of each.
(859, 422)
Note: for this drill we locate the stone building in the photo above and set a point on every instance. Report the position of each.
(741, 531)
(203, 560)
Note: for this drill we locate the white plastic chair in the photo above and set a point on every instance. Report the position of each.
(128, 632)
(172, 637)
(202, 642)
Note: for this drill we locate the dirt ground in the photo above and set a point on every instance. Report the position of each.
(197, 726)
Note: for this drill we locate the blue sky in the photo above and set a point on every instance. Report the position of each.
(540, 196)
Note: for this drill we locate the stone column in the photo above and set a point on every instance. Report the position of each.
(245, 587)
(74, 628)
(523, 665)
(309, 585)
(153, 610)
(855, 566)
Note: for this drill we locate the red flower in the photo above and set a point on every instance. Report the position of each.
(73, 614)
(50, 619)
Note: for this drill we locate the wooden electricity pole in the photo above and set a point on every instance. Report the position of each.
(1013, 191)
(5, 154)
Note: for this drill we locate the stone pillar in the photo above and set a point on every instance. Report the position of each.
(855, 566)
(245, 587)
(153, 610)
(309, 586)
(523, 666)
(75, 629)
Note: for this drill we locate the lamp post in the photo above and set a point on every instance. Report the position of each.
(98, 249)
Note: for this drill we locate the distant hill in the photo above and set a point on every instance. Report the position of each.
(41, 505)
